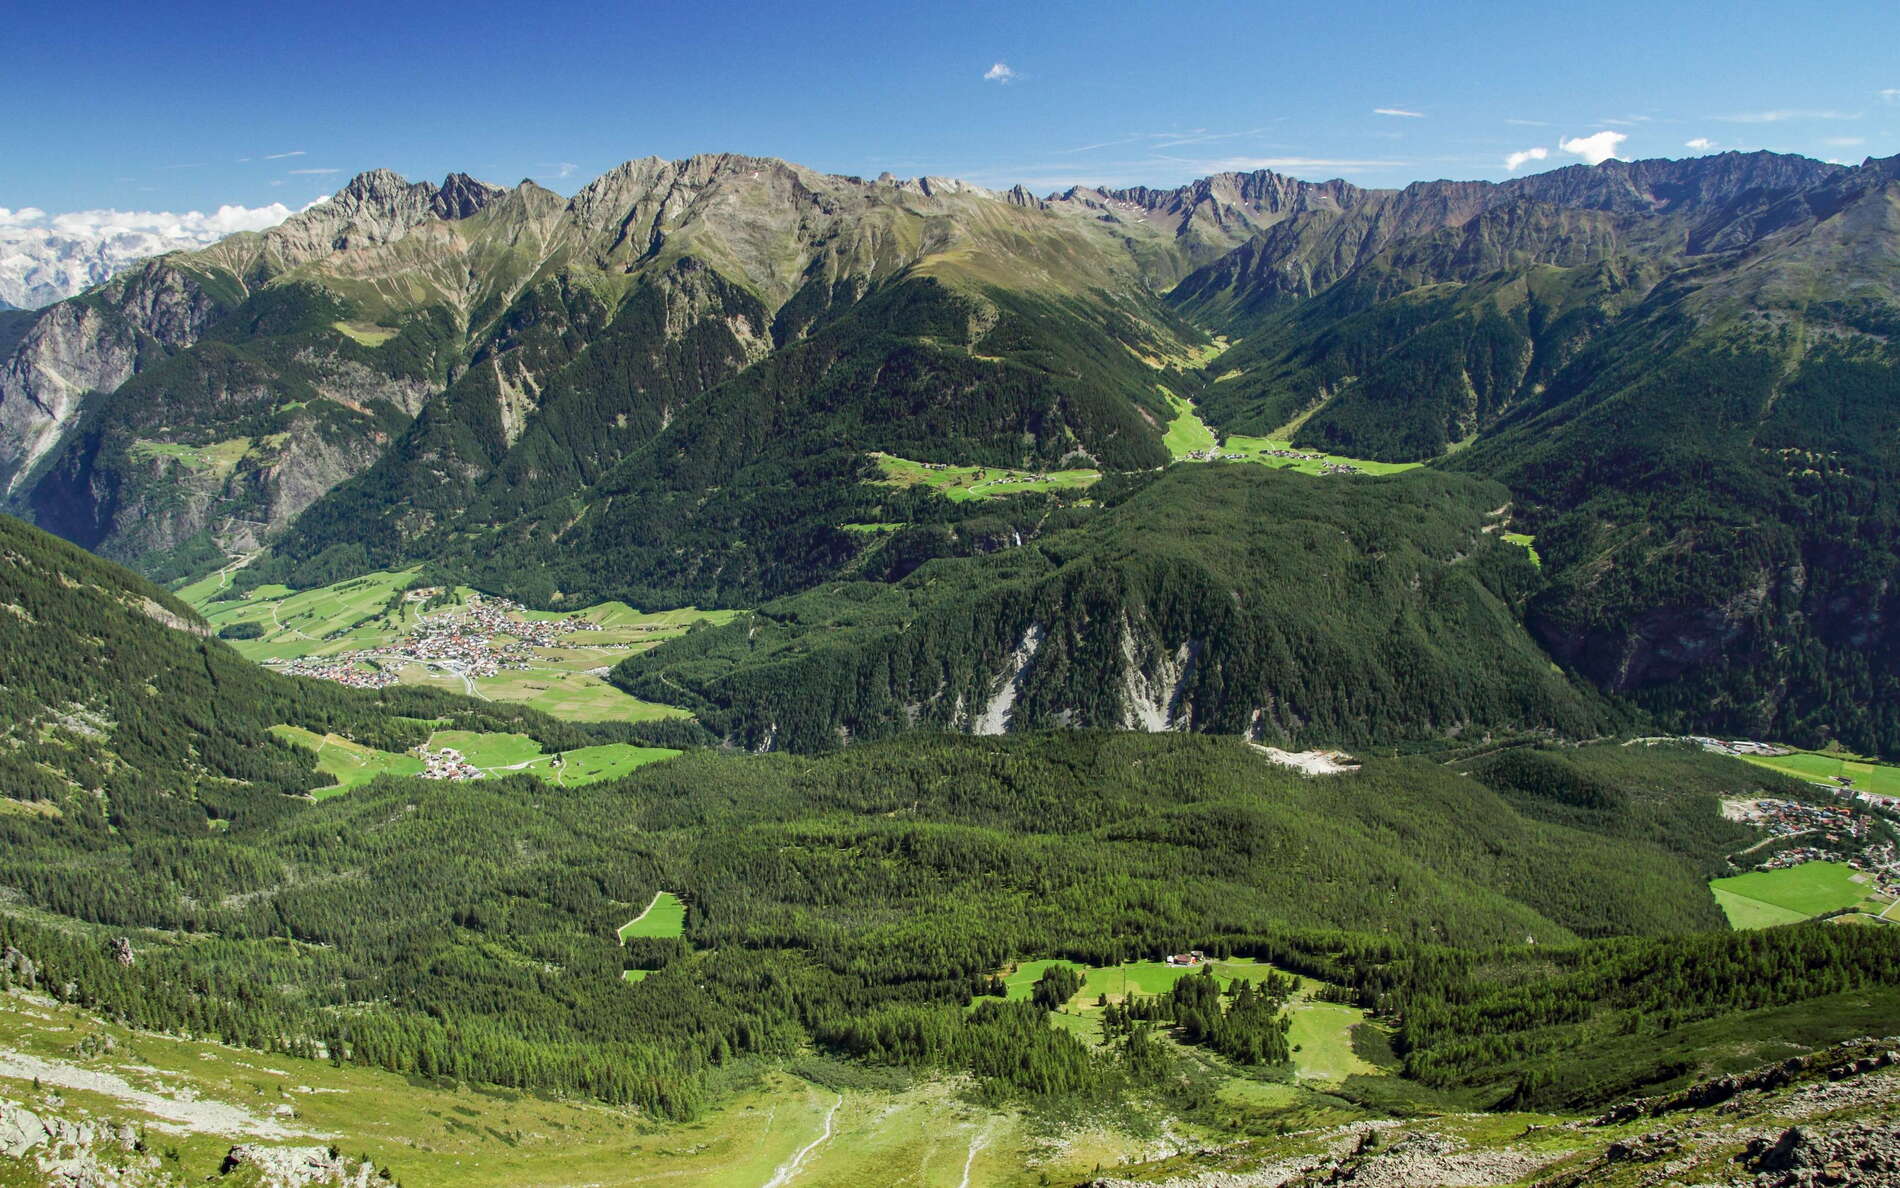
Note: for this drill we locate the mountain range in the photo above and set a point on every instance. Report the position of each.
(674, 387)
(934, 817)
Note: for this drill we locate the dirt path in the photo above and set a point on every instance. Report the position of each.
(977, 1143)
(789, 1168)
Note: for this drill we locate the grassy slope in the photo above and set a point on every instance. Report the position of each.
(438, 1134)
(351, 763)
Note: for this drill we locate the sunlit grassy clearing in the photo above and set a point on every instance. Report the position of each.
(1528, 543)
(1801, 891)
(494, 753)
(351, 763)
(1882, 779)
(962, 483)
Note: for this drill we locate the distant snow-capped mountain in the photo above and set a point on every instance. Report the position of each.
(46, 258)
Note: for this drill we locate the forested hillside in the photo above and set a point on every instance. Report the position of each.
(1229, 600)
(1689, 397)
(163, 870)
(120, 715)
(822, 895)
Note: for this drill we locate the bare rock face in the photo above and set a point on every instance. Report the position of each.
(80, 347)
(21, 1130)
(78, 1154)
(1866, 1153)
(375, 208)
(299, 1167)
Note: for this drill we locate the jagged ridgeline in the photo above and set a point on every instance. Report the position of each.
(117, 709)
(667, 389)
(1237, 601)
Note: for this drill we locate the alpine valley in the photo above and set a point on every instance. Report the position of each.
(751, 676)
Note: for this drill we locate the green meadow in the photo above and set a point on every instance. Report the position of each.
(1528, 543)
(963, 483)
(1764, 898)
(665, 917)
(1320, 1032)
(1187, 432)
(351, 763)
(367, 613)
(218, 459)
(494, 753)
(1869, 775)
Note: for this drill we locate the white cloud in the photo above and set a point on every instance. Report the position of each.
(281, 156)
(187, 227)
(1891, 94)
(1518, 158)
(1843, 141)
(307, 172)
(1780, 115)
(1700, 144)
(45, 257)
(1398, 111)
(1596, 148)
(1530, 123)
(1000, 73)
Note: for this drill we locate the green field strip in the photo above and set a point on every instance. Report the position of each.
(664, 918)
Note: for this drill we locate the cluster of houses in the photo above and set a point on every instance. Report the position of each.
(1786, 818)
(1214, 455)
(484, 618)
(1011, 479)
(344, 670)
(1191, 957)
(446, 764)
(466, 640)
(1739, 746)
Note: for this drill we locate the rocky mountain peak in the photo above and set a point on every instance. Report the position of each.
(461, 196)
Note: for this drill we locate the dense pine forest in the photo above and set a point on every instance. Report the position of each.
(856, 902)
(1213, 600)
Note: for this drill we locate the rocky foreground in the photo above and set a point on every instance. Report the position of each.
(1825, 1119)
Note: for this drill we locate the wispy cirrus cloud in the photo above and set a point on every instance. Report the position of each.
(283, 156)
(1890, 95)
(1783, 114)
(1522, 157)
(1163, 140)
(1529, 123)
(312, 172)
(1401, 112)
(1595, 148)
(1001, 73)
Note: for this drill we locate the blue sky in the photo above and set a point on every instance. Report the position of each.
(176, 106)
